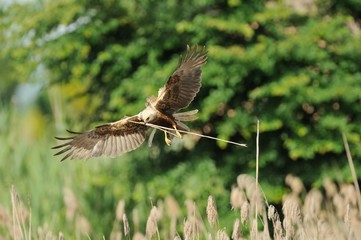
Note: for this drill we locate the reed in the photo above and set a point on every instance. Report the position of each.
(318, 215)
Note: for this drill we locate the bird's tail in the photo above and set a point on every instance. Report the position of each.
(186, 116)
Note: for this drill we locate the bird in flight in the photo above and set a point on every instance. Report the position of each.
(116, 138)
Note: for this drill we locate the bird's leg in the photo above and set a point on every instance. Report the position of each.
(172, 122)
(176, 131)
(167, 140)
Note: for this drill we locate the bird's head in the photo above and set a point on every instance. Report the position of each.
(148, 114)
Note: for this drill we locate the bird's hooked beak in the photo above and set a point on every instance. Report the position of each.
(148, 114)
(142, 119)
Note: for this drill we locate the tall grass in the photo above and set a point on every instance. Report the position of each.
(327, 213)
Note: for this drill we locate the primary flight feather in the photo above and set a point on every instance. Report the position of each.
(116, 138)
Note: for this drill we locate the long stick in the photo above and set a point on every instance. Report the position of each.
(353, 171)
(257, 160)
(169, 130)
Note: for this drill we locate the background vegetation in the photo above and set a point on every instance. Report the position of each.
(295, 65)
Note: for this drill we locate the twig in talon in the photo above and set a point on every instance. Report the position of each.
(162, 128)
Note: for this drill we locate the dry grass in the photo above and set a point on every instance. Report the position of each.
(304, 215)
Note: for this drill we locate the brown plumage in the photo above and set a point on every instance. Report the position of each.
(127, 134)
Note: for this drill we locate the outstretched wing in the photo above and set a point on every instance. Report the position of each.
(184, 84)
(110, 140)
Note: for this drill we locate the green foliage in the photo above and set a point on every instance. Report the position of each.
(296, 68)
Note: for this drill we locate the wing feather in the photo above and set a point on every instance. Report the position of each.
(114, 147)
(120, 146)
(67, 155)
(130, 142)
(135, 142)
(126, 143)
(108, 146)
(123, 144)
(139, 138)
(135, 139)
(97, 149)
(184, 84)
(111, 146)
(110, 140)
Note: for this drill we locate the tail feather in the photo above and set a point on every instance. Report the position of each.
(186, 116)
(182, 126)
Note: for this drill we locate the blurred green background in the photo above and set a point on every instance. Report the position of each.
(294, 65)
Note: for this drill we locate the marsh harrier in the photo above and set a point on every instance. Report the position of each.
(114, 139)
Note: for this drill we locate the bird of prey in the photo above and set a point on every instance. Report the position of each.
(116, 138)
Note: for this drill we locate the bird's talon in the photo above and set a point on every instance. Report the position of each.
(178, 133)
(167, 140)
